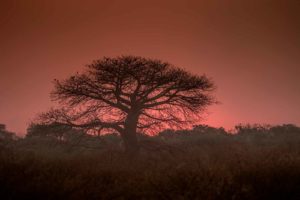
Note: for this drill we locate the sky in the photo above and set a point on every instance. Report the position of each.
(250, 48)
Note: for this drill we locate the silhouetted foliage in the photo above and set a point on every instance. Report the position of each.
(6, 136)
(130, 95)
(54, 130)
(251, 129)
(285, 130)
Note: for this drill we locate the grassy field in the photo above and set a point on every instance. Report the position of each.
(254, 163)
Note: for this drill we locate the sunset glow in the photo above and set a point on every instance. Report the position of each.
(249, 48)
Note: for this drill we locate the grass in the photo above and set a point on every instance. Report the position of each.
(177, 165)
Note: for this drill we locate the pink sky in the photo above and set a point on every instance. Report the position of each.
(250, 48)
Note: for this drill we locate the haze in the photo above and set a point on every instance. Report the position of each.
(249, 48)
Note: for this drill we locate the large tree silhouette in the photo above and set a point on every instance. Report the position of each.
(130, 95)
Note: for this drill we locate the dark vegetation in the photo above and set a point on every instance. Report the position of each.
(58, 162)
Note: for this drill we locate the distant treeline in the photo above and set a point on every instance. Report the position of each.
(61, 135)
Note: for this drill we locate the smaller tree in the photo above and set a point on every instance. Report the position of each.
(6, 135)
(55, 131)
(202, 128)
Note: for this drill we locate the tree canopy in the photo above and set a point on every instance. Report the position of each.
(130, 94)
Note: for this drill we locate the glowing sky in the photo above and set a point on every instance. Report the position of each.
(251, 49)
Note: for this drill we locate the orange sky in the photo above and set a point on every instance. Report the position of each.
(251, 48)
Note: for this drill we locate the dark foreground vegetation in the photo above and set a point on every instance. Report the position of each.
(256, 162)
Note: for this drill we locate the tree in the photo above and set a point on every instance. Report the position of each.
(130, 95)
(6, 135)
(53, 130)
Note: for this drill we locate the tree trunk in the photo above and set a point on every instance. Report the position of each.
(129, 135)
